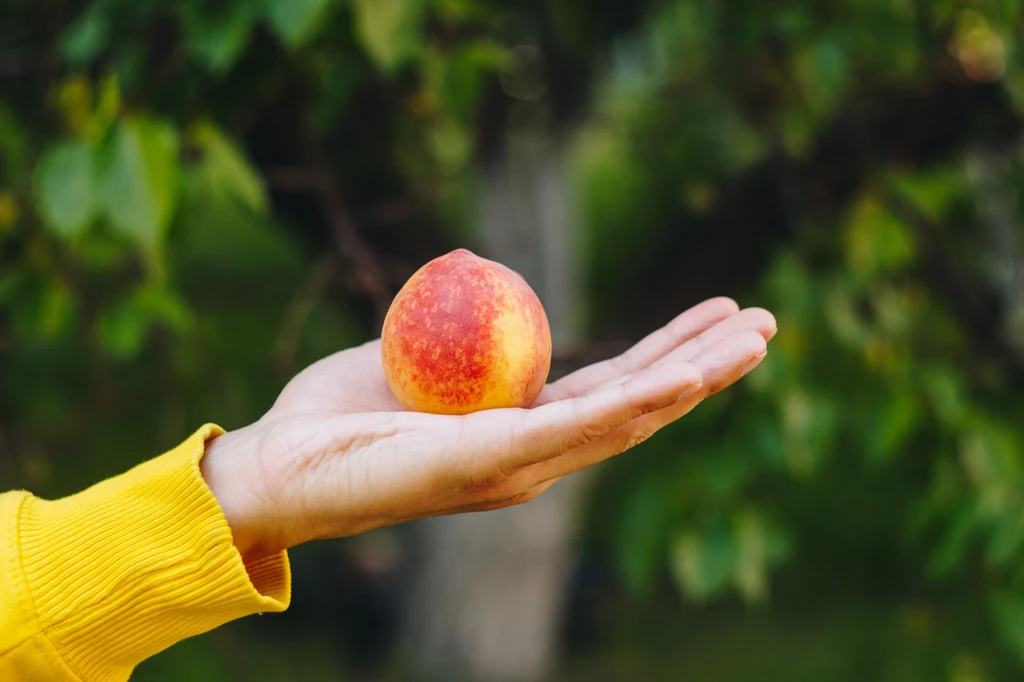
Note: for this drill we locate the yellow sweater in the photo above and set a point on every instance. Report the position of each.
(93, 584)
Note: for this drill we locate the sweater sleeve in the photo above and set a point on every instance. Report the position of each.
(93, 584)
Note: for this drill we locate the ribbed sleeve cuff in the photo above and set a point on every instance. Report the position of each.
(127, 568)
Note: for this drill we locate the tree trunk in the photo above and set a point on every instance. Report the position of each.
(989, 173)
(489, 588)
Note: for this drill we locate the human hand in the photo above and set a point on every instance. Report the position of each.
(337, 455)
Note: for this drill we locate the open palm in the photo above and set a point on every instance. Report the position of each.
(337, 454)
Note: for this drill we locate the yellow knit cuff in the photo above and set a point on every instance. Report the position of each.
(125, 569)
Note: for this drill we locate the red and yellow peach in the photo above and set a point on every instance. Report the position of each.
(465, 334)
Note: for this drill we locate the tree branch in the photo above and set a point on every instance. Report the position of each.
(406, 206)
(301, 307)
(368, 275)
(292, 179)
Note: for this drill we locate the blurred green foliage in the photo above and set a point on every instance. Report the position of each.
(854, 166)
(899, 351)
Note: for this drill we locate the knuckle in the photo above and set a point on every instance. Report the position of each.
(647, 407)
(635, 437)
(628, 408)
(484, 506)
(522, 498)
(578, 438)
(505, 502)
(484, 487)
(677, 330)
(492, 487)
(644, 408)
(584, 431)
(621, 363)
(587, 433)
(703, 340)
(633, 408)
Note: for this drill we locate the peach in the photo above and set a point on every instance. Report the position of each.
(465, 334)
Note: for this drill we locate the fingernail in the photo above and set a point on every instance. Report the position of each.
(690, 390)
(752, 363)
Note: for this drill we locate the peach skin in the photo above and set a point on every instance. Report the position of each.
(465, 334)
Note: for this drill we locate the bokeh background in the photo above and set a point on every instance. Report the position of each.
(198, 198)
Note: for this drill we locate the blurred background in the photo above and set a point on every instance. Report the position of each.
(199, 198)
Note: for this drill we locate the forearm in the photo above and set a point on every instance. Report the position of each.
(101, 580)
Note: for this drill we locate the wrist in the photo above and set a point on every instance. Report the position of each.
(229, 467)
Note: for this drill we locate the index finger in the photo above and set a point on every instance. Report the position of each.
(558, 427)
(654, 346)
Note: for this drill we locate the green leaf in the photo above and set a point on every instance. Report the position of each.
(217, 36)
(463, 10)
(790, 283)
(942, 498)
(809, 426)
(108, 106)
(452, 144)
(338, 75)
(164, 306)
(892, 424)
(390, 30)
(139, 179)
(223, 171)
(990, 456)
(932, 192)
(56, 307)
(704, 563)
(1008, 613)
(13, 138)
(455, 79)
(65, 188)
(639, 537)
(760, 545)
(876, 240)
(296, 22)
(751, 565)
(85, 38)
(10, 285)
(798, 126)
(39, 310)
(820, 69)
(103, 250)
(1006, 539)
(947, 395)
(1015, 88)
(123, 329)
(951, 550)
(844, 319)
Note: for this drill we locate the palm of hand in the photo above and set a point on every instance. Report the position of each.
(338, 455)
